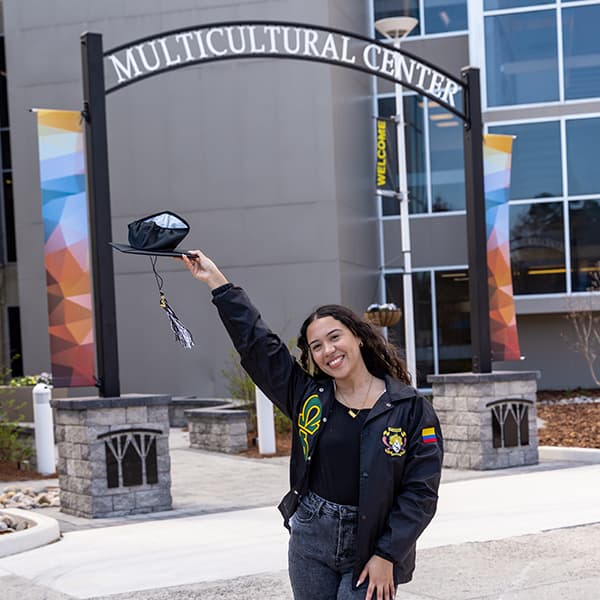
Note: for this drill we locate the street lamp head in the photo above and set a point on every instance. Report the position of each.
(396, 28)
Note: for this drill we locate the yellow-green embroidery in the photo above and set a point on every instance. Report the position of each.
(394, 439)
(309, 420)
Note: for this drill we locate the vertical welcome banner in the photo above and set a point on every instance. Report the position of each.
(497, 153)
(64, 213)
(386, 167)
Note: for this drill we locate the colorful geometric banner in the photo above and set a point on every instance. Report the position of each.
(386, 167)
(497, 153)
(64, 213)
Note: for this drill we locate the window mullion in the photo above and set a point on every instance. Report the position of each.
(434, 338)
(559, 48)
(427, 153)
(565, 192)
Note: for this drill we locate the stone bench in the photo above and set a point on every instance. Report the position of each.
(179, 404)
(220, 427)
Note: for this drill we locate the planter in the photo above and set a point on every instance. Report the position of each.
(383, 318)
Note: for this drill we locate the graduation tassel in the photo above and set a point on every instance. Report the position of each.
(182, 334)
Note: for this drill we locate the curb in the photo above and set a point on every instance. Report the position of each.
(44, 531)
(588, 455)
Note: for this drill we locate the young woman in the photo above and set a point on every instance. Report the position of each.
(366, 452)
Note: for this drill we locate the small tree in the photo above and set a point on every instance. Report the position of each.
(586, 326)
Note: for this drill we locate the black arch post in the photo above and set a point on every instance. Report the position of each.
(98, 193)
(476, 228)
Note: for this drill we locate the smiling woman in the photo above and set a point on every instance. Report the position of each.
(364, 445)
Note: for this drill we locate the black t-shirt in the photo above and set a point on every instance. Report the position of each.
(334, 473)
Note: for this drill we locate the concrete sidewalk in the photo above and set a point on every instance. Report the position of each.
(531, 532)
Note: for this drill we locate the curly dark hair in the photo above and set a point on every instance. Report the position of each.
(381, 358)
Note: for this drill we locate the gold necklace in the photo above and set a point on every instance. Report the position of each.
(353, 412)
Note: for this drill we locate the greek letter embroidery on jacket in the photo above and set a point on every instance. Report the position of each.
(309, 420)
(394, 440)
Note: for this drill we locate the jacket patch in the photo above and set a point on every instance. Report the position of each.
(309, 421)
(394, 440)
(428, 435)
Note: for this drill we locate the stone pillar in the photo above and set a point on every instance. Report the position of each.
(113, 455)
(488, 420)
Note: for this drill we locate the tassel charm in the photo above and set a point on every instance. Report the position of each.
(182, 334)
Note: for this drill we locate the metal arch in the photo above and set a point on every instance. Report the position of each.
(94, 101)
(461, 84)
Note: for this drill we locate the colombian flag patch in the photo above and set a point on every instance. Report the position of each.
(428, 435)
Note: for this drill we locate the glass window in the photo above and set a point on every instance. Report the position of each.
(423, 321)
(583, 145)
(521, 58)
(584, 224)
(537, 248)
(447, 160)
(414, 119)
(536, 160)
(393, 8)
(453, 321)
(445, 15)
(394, 293)
(581, 51)
(9, 217)
(14, 341)
(415, 153)
(5, 143)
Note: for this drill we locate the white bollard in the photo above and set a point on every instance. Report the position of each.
(44, 429)
(265, 424)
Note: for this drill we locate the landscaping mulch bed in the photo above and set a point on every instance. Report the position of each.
(283, 444)
(569, 419)
(14, 472)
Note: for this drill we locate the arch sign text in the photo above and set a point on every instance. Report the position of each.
(177, 49)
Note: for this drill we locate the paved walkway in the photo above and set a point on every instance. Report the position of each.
(525, 533)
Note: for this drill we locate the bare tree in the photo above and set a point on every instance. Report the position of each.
(586, 326)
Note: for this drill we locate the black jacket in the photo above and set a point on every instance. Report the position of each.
(400, 446)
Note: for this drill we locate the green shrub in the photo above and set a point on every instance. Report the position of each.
(13, 448)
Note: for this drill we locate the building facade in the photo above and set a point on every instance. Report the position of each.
(271, 162)
(540, 72)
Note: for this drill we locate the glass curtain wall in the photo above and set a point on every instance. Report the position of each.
(549, 53)
(541, 52)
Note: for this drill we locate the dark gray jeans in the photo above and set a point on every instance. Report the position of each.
(322, 550)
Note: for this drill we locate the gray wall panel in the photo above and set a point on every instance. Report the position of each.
(436, 241)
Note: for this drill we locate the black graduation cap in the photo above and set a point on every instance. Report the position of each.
(154, 236)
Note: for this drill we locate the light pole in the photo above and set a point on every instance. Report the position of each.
(395, 29)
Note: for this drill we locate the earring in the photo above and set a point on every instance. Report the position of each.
(360, 344)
